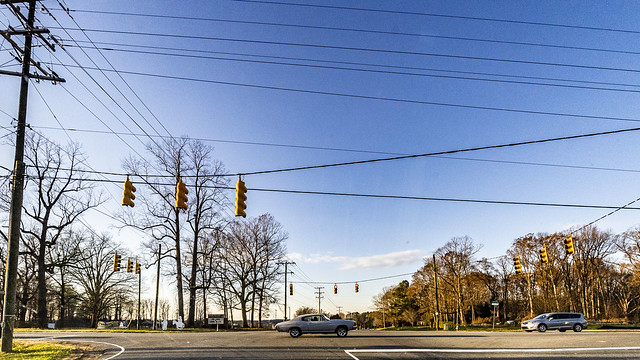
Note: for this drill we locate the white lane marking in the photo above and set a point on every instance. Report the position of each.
(60, 338)
(350, 352)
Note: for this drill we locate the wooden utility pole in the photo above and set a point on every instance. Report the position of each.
(285, 263)
(319, 295)
(155, 308)
(13, 247)
(17, 186)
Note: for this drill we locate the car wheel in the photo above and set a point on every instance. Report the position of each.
(542, 327)
(341, 331)
(295, 332)
(562, 330)
(577, 327)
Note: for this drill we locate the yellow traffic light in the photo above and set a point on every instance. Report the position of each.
(335, 288)
(137, 268)
(241, 197)
(516, 263)
(357, 287)
(543, 255)
(127, 193)
(116, 262)
(290, 289)
(568, 245)
(129, 265)
(181, 195)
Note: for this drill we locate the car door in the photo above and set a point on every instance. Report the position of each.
(314, 324)
(555, 321)
(325, 325)
(305, 324)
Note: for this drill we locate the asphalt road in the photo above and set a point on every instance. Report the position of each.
(360, 344)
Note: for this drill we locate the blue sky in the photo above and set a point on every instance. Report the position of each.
(347, 239)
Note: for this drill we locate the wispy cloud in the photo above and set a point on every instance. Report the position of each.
(365, 262)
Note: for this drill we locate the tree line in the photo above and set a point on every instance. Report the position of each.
(66, 268)
(601, 279)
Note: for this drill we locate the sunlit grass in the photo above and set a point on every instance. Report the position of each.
(38, 351)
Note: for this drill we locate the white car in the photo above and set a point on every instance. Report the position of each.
(316, 323)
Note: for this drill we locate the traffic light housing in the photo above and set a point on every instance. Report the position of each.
(127, 193)
(357, 287)
(129, 266)
(335, 288)
(116, 262)
(290, 289)
(516, 263)
(241, 197)
(181, 195)
(137, 271)
(543, 255)
(568, 245)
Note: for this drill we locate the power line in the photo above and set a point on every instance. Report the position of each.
(110, 81)
(141, 46)
(368, 97)
(353, 48)
(411, 156)
(121, 78)
(369, 31)
(323, 148)
(388, 72)
(443, 152)
(400, 12)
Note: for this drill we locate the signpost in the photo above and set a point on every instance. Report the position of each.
(215, 319)
(494, 304)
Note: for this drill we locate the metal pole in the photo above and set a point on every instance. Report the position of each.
(139, 288)
(435, 279)
(13, 246)
(155, 310)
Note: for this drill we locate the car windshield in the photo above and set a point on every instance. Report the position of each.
(448, 166)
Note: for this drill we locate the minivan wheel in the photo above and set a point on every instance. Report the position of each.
(577, 327)
(542, 327)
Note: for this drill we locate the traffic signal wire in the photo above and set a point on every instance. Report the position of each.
(488, 147)
(352, 282)
(432, 154)
(293, 146)
(380, 196)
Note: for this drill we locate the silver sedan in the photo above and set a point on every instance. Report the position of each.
(316, 323)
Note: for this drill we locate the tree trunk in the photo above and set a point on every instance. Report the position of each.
(42, 283)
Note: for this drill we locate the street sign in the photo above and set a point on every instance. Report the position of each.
(495, 303)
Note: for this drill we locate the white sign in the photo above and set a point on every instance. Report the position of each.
(215, 321)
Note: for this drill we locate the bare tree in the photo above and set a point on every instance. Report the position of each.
(56, 195)
(160, 218)
(204, 214)
(94, 275)
(64, 258)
